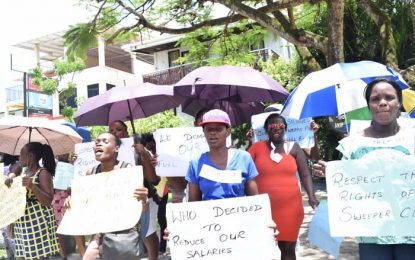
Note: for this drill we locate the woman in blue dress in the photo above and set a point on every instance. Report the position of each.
(222, 172)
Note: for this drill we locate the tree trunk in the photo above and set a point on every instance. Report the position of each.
(387, 41)
(307, 60)
(335, 32)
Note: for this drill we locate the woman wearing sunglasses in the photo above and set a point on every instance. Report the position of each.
(277, 162)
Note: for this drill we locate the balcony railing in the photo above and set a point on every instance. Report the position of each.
(265, 54)
(174, 74)
(169, 76)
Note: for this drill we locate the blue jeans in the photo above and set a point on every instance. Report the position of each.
(386, 251)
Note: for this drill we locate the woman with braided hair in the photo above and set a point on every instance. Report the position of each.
(35, 231)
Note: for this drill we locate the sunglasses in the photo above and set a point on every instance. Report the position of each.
(276, 126)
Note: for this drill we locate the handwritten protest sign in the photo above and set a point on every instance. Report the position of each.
(103, 202)
(86, 157)
(234, 228)
(12, 201)
(297, 130)
(177, 146)
(373, 197)
(127, 151)
(63, 175)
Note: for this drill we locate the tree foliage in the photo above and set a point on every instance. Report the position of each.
(380, 30)
(323, 32)
(50, 85)
(164, 119)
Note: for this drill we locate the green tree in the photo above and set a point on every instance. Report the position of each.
(164, 119)
(318, 46)
(50, 84)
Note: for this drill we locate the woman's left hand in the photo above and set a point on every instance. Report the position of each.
(313, 202)
(141, 193)
(27, 182)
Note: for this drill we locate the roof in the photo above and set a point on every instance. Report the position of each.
(163, 42)
(144, 50)
(113, 54)
(51, 45)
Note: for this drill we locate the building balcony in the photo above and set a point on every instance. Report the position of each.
(172, 75)
(169, 76)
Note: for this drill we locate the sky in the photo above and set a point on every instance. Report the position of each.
(23, 20)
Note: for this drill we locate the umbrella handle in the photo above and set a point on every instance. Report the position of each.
(137, 138)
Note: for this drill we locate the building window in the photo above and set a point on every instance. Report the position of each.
(93, 90)
(173, 56)
(184, 53)
(258, 46)
(110, 86)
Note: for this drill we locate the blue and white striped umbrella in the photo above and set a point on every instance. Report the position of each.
(336, 90)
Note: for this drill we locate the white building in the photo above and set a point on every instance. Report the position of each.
(162, 52)
(106, 67)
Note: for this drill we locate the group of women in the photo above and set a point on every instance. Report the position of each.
(268, 167)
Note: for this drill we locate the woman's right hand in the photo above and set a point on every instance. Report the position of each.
(8, 182)
(153, 160)
(166, 234)
(320, 168)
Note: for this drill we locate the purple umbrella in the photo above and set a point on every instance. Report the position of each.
(239, 113)
(126, 103)
(231, 83)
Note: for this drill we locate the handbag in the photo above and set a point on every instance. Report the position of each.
(123, 245)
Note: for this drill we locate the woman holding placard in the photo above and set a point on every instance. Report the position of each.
(144, 157)
(58, 202)
(203, 185)
(222, 172)
(277, 162)
(11, 169)
(384, 135)
(106, 151)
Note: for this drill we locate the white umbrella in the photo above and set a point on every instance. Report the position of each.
(16, 131)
